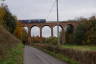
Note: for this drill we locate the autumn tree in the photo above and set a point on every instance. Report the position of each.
(7, 20)
(21, 33)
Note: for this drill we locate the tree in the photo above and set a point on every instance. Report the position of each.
(79, 34)
(86, 32)
(91, 33)
(7, 20)
(21, 33)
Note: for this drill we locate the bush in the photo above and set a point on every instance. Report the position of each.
(51, 40)
(37, 39)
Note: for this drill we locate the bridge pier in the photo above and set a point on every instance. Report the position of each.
(51, 31)
(62, 36)
(29, 35)
(41, 32)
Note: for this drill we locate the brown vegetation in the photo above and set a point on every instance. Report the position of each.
(7, 42)
(37, 39)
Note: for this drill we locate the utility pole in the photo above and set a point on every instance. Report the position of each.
(58, 35)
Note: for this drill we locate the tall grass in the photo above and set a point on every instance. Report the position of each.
(14, 55)
(11, 50)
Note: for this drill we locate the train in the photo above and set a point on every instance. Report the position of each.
(34, 21)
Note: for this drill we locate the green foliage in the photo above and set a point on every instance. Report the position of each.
(37, 39)
(80, 47)
(79, 35)
(85, 33)
(51, 40)
(7, 20)
(60, 56)
(14, 55)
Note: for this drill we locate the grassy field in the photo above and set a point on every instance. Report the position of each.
(78, 47)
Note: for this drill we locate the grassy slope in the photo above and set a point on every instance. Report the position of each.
(11, 50)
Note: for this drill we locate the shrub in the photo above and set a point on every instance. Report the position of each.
(51, 40)
(37, 39)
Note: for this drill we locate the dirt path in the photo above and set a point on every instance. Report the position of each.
(35, 56)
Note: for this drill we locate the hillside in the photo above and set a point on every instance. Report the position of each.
(11, 49)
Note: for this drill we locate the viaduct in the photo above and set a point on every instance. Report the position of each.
(50, 24)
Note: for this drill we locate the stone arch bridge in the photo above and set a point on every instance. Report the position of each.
(50, 24)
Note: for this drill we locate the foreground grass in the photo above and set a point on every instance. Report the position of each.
(14, 55)
(60, 56)
(78, 47)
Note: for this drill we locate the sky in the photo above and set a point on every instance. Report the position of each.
(39, 9)
(46, 9)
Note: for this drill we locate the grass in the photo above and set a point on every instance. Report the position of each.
(14, 55)
(11, 50)
(81, 48)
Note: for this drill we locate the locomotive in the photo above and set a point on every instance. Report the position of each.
(34, 21)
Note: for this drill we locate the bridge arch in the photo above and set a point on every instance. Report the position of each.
(46, 31)
(69, 28)
(55, 30)
(35, 31)
(26, 28)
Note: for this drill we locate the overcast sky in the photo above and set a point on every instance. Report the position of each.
(39, 9)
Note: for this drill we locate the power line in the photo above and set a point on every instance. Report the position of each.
(50, 11)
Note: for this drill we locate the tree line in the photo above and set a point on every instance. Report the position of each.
(84, 34)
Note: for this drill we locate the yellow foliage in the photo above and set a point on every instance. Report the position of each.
(20, 33)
